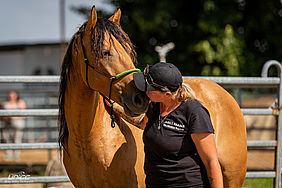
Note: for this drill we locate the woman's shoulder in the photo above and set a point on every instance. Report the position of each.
(21, 104)
(21, 101)
(195, 107)
(192, 104)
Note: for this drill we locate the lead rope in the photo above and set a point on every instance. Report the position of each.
(112, 116)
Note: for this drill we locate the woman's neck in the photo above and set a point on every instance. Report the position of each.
(13, 101)
(167, 107)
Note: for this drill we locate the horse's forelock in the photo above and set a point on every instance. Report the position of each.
(98, 36)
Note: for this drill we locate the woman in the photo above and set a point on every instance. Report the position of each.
(178, 134)
(13, 126)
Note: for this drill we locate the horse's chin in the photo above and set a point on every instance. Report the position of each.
(129, 112)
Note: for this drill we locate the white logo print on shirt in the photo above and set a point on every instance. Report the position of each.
(173, 126)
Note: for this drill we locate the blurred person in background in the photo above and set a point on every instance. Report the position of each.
(13, 126)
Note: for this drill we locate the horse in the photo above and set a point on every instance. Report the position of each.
(101, 149)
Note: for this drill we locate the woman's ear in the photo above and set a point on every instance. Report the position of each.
(168, 93)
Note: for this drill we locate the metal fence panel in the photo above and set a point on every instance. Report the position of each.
(239, 82)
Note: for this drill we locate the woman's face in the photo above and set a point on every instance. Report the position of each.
(13, 96)
(156, 96)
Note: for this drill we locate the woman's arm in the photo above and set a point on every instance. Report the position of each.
(21, 104)
(205, 144)
(6, 119)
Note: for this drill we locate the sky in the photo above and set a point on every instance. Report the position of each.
(38, 21)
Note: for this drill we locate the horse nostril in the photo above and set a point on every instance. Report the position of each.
(138, 100)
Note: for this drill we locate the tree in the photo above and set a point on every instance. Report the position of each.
(212, 37)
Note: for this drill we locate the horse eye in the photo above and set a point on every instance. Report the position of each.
(107, 53)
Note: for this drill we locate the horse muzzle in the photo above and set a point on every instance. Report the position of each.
(135, 102)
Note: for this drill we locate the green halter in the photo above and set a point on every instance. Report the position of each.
(112, 78)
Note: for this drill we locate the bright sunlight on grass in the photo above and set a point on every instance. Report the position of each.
(258, 183)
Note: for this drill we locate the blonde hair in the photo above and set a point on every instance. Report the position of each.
(184, 93)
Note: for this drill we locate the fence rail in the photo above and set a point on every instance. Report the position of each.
(225, 81)
(34, 179)
(30, 112)
(240, 82)
(261, 143)
(54, 112)
(29, 79)
(54, 145)
(270, 174)
(23, 146)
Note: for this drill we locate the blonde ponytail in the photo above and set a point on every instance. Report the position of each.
(184, 93)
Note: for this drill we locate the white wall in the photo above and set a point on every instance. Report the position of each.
(44, 58)
(11, 62)
(26, 59)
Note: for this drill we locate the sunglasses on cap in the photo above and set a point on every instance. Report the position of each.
(150, 80)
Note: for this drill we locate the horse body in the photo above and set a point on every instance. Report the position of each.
(97, 155)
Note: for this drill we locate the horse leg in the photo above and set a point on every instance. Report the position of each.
(232, 150)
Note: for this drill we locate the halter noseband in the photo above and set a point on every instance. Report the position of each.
(112, 78)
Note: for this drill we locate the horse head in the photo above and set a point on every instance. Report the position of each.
(109, 57)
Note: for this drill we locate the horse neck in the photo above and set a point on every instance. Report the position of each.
(80, 105)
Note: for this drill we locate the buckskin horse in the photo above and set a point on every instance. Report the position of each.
(100, 150)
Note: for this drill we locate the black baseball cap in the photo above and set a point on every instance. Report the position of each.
(160, 76)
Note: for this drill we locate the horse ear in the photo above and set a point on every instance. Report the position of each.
(116, 17)
(92, 20)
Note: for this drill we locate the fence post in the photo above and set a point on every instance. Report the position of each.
(267, 65)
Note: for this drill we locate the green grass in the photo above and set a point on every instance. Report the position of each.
(258, 183)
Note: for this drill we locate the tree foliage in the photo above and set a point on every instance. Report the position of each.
(211, 37)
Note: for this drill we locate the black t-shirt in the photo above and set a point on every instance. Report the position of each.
(171, 158)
